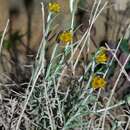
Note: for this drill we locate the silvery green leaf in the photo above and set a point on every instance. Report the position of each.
(71, 5)
(128, 99)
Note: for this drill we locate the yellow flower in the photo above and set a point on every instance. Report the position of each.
(66, 37)
(54, 7)
(98, 82)
(102, 57)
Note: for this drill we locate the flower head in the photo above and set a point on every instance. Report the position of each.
(65, 37)
(98, 82)
(54, 7)
(102, 57)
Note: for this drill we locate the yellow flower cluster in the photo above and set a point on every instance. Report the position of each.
(54, 7)
(98, 82)
(102, 57)
(65, 37)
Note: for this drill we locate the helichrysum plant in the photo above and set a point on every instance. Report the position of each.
(65, 37)
(46, 105)
(102, 56)
(98, 82)
(54, 7)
